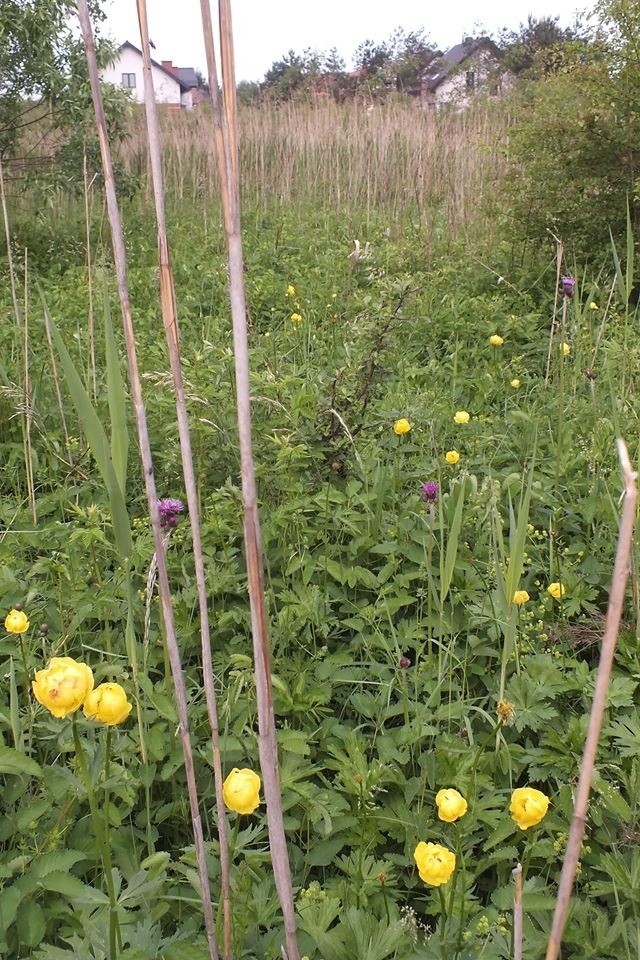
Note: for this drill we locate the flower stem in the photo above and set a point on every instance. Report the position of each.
(101, 830)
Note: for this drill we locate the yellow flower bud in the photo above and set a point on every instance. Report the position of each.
(565, 349)
(515, 383)
(63, 686)
(461, 416)
(435, 863)
(16, 622)
(107, 704)
(520, 597)
(241, 791)
(496, 340)
(528, 806)
(296, 318)
(291, 290)
(452, 457)
(593, 305)
(451, 805)
(401, 427)
(556, 590)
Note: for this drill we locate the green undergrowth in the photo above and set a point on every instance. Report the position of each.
(393, 632)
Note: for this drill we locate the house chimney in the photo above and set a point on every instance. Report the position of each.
(169, 67)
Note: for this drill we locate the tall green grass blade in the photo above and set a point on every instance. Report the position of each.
(117, 400)
(630, 252)
(451, 552)
(97, 439)
(517, 538)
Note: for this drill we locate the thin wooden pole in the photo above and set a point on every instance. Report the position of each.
(225, 140)
(117, 238)
(611, 627)
(517, 913)
(170, 322)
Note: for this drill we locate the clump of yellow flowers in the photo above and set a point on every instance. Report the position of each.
(65, 685)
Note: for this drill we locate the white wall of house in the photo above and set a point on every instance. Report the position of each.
(126, 72)
(477, 75)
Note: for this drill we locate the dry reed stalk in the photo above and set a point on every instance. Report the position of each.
(559, 257)
(170, 322)
(7, 233)
(267, 741)
(609, 640)
(517, 913)
(58, 389)
(87, 227)
(28, 460)
(164, 589)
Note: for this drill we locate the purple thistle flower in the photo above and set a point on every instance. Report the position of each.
(404, 662)
(169, 510)
(429, 491)
(567, 286)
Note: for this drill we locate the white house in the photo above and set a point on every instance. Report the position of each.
(177, 86)
(469, 68)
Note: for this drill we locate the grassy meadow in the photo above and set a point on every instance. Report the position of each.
(434, 433)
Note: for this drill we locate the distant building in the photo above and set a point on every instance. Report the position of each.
(469, 68)
(177, 86)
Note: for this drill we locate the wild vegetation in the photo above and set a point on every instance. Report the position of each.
(443, 351)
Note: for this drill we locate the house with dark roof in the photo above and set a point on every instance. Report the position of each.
(467, 69)
(177, 86)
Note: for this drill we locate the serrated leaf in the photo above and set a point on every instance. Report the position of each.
(30, 924)
(16, 762)
(65, 883)
(59, 860)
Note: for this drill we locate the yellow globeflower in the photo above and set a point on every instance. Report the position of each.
(291, 290)
(16, 622)
(241, 790)
(556, 590)
(461, 416)
(296, 318)
(528, 806)
(435, 863)
(593, 305)
(515, 383)
(401, 427)
(565, 349)
(63, 686)
(451, 805)
(520, 597)
(496, 340)
(452, 457)
(107, 704)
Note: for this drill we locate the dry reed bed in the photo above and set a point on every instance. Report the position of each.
(381, 156)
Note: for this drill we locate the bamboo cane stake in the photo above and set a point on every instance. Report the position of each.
(267, 742)
(170, 321)
(164, 589)
(611, 627)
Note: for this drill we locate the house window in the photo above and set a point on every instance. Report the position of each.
(129, 80)
(471, 79)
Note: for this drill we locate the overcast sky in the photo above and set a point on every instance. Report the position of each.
(264, 30)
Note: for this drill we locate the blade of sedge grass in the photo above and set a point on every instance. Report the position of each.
(451, 552)
(98, 443)
(117, 400)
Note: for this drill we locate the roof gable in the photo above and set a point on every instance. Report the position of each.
(444, 66)
(183, 86)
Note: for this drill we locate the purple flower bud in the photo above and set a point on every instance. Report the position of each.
(170, 510)
(404, 662)
(567, 286)
(429, 491)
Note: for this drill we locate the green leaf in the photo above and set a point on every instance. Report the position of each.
(97, 439)
(30, 924)
(452, 545)
(117, 401)
(16, 762)
(59, 860)
(65, 883)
